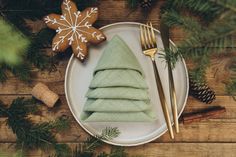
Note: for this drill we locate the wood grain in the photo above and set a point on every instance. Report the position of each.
(208, 130)
(214, 137)
(155, 150)
(217, 76)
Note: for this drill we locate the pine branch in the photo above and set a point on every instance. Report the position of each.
(171, 56)
(133, 3)
(62, 150)
(37, 9)
(212, 40)
(3, 75)
(115, 152)
(228, 4)
(21, 71)
(109, 133)
(36, 54)
(9, 35)
(173, 19)
(30, 135)
(231, 84)
(18, 22)
(204, 8)
(16, 154)
(87, 148)
(15, 12)
(202, 40)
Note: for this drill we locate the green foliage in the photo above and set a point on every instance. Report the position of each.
(171, 56)
(109, 133)
(5, 154)
(206, 9)
(210, 26)
(231, 85)
(133, 3)
(94, 142)
(88, 148)
(115, 152)
(16, 12)
(173, 19)
(13, 44)
(30, 135)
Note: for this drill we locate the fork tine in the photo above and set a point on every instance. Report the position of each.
(145, 39)
(146, 36)
(150, 40)
(142, 37)
(153, 35)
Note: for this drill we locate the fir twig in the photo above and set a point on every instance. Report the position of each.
(231, 84)
(133, 3)
(115, 152)
(15, 12)
(30, 135)
(172, 19)
(204, 8)
(202, 39)
(87, 148)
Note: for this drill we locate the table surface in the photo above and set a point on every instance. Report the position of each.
(213, 137)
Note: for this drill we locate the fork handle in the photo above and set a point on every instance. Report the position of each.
(162, 99)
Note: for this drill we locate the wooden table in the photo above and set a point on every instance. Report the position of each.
(215, 137)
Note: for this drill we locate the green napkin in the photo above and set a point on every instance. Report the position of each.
(118, 93)
(117, 55)
(116, 105)
(117, 116)
(118, 78)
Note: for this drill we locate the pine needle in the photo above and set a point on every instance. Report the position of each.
(87, 148)
(30, 135)
(109, 133)
(133, 3)
(13, 44)
(173, 19)
(212, 34)
(15, 12)
(204, 8)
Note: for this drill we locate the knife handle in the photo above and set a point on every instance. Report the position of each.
(173, 100)
(162, 99)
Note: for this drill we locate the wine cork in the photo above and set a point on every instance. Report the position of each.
(43, 93)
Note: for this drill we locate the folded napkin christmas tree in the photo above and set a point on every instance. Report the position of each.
(118, 91)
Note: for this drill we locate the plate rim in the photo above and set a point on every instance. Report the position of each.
(115, 143)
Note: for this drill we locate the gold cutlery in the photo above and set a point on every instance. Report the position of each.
(149, 48)
(166, 42)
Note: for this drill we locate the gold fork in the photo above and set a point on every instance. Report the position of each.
(149, 48)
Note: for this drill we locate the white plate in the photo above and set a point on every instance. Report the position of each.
(79, 75)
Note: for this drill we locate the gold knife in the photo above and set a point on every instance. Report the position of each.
(164, 29)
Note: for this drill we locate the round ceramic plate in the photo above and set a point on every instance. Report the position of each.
(79, 75)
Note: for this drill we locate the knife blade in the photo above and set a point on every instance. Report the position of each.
(164, 29)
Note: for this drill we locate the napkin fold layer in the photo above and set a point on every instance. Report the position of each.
(115, 105)
(118, 117)
(117, 55)
(118, 91)
(118, 78)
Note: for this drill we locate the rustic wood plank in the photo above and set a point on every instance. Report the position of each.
(214, 137)
(207, 130)
(154, 150)
(217, 74)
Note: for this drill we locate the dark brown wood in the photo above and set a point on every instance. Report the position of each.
(214, 137)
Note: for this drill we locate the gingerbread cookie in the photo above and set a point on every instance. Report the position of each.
(74, 28)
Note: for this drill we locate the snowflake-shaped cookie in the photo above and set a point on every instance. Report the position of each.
(74, 28)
